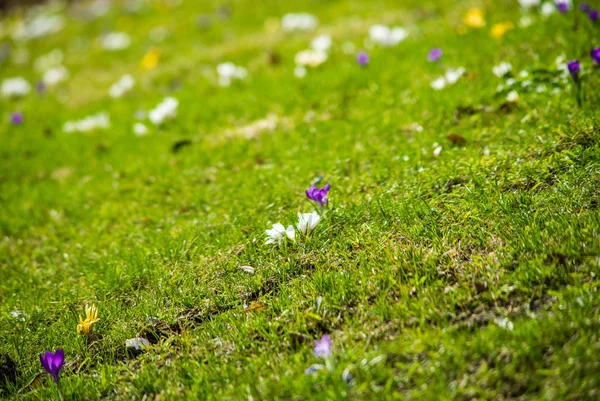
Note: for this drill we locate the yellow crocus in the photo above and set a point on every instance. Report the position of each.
(499, 29)
(474, 18)
(91, 317)
(150, 59)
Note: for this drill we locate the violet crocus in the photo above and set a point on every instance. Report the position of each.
(595, 53)
(574, 67)
(434, 55)
(318, 195)
(563, 6)
(53, 364)
(363, 59)
(323, 347)
(17, 118)
(593, 14)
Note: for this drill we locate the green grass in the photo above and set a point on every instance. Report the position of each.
(410, 270)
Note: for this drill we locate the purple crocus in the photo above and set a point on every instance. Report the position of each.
(17, 118)
(434, 55)
(574, 67)
(585, 7)
(362, 58)
(563, 6)
(323, 347)
(318, 195)
(593, 14)
(595, 53)
(53, 364)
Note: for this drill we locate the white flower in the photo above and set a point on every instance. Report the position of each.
(453, 74)
(140, 129)
(87, 124)
(165, 110)
(513, 96)
(300, 71)
(502, 69)
(321, 43)
(439, 83)
(310, 58)
(277, 234)
(42, 25)
(298, 22)
(504, 323)
(15, 87)
(122, 86)
(525, 21)
(116, 41)
(437, 151)
(55, 75)
(386, 36)
(527, 4)
(228, 72)
(548, 9)
(307, 222)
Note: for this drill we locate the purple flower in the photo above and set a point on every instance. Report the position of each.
(318, 195)
(574, 67)
(362, 58)
(53, 364)
(563, 6)
(593, 14)
(595, 53)
(434, 55)
(585, 7)
(17, 118)
(323, 346)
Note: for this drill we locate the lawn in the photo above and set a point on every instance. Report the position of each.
(457, 255)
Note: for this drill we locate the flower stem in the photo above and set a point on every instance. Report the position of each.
(60, 396)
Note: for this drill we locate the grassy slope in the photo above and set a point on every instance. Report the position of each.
(409, 270)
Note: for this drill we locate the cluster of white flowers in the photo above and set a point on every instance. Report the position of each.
(122, 86)
(165, 110)
(88, 124)
(313, 57)
(51, 68)
(451, 76)
(547, 8)
(229, 72)
(293, 22)
(503, 69)
(116, 41)
(306, 223)
(386, 36)
(15, 87)
(42, 25)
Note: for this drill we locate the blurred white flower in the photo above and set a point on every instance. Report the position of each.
(15, 87)
(504, 323)
(525, 21)
(300, 71)
(277, 234)
(513, 96)
(42, 25)
(502, 69)
(55, 75)
(140, 129)
(165, 110)
(87, 124)
(386, 36)
(439, 83)
(298, 22)
(548, 9)
(437, 151)
(453, 74)
(321, 43)
(310, 58)
(307, 222)
(116, 41)
(228, 72)
(527, 4)
(122, 86)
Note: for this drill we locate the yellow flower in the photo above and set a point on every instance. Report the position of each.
(150, 59)
(474, 18)
(498, 30)
(91, 317)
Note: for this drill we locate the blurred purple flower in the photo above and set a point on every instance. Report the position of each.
(585, 7)
(563, 6)
(40, 87)
(593, 14)
(362, 58)
(574, 67)
(595, 53)
(318, 195)
(53, 364)
(17, 118)
(434, 55)
(323, 346)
